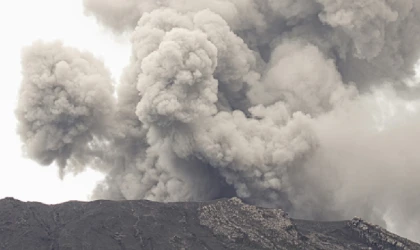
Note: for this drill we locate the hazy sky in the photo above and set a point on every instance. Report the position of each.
(21, 22)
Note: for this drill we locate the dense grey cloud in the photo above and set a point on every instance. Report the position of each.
(283, 103)
(65, 101)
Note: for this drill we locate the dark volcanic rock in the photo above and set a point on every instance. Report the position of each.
(222, 224)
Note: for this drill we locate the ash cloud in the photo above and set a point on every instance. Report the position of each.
(65, 102)
(291, 104)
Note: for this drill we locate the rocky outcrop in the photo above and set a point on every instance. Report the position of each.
(221, 224)
(243, 226)
(378, 237)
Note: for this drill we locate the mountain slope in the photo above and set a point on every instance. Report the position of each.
(221, 224)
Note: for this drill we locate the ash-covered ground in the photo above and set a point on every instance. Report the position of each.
(213, 225)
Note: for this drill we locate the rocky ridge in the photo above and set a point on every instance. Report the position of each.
(220, 224)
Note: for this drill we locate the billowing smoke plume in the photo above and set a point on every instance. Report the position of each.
(292, 104)
(65, 102)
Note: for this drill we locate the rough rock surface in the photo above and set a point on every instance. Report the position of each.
(221, 224)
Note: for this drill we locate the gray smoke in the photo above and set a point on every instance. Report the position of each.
(292, 104)
(65, 103)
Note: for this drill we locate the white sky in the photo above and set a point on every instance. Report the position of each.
(21, 22)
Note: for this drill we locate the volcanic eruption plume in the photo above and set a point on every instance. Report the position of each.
(290, 103)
